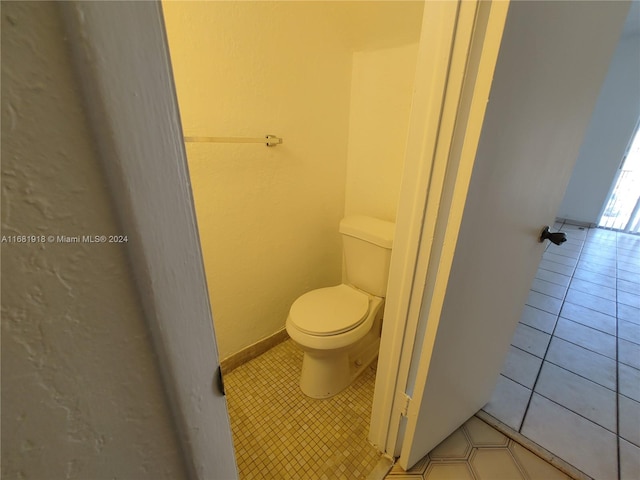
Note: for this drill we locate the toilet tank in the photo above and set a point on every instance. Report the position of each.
(367, 243)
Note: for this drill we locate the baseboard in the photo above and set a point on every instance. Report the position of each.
(252, 351)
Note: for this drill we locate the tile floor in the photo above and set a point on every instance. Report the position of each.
(279, 433)
(571, 381)
(477, 451)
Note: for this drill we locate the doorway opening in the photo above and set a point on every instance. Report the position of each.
(622, 209)
(334, 80)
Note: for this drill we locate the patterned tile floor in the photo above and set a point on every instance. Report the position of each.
(571, 382)
(477, 451)
(279, 433)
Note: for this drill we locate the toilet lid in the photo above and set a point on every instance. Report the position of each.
(329, 311)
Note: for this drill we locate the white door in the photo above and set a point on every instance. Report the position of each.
(479, 241)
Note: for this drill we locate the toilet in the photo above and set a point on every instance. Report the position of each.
(338, 328)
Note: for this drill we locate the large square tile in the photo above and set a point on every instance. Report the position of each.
(629, 331)
(593, 277)
(588, 317)
(585, 445)
(629, 276)
(561, 259)
(544, 302)
(593, 289)
(629, 256)
(629, 411)
(521, 367)
(586, 337)
(548, 288)
(571, 250)
(556, 267)
(578, 394)
(598, 261)
(531, 340)
(629, 353)
(509, 402)
(629, 461)
(629, 381)
(599, 251)
(627, 298)
(583, 362)
(586, 264)
(631, 266)
(536, 318)
(599, 304)
(629, 313)
(627, 286)
(553, 277)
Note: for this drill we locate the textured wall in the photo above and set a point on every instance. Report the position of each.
(268, 217)
(81, 392)
(381, 94)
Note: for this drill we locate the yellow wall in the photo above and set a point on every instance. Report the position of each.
(268, 217)
(381, 91)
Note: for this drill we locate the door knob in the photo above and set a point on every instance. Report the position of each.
(557, 237)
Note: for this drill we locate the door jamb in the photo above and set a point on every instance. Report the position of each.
(452, 96)
(128, 88)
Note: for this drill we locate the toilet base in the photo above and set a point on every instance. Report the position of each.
(327, 373)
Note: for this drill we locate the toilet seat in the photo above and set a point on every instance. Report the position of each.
(329, 311)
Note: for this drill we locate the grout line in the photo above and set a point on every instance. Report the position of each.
(617, 373)
(526, 410)
(583, 325)
(576, 413)
(556, 273)
(587, 308)
(585, 348)
(578, 375)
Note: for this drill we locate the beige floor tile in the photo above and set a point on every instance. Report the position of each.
(280, 433)
(484, 435)
(494, 464)
(448, 471)
(454, 446)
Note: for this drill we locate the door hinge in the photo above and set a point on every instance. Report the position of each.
(404, 405)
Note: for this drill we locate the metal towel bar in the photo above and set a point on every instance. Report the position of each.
(268, 140)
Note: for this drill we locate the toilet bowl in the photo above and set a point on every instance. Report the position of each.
(338, 328)
(338, 350)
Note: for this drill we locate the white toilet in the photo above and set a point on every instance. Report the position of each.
(338, 328)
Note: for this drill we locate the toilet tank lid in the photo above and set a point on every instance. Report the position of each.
(372, 230)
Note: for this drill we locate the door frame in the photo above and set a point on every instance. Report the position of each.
(127, 81)
(457, 55)
(131, 98)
